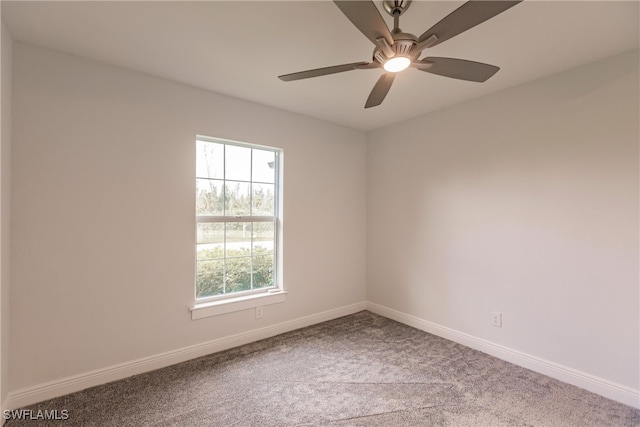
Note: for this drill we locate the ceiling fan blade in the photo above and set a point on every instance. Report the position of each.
(366, 17)
(322, 71)
(380, 90)
(465, 17)
(457, 68)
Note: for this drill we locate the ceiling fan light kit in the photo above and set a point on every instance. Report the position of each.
(396, 64)
(396, 50)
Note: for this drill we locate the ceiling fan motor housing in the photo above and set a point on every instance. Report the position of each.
(402, 45)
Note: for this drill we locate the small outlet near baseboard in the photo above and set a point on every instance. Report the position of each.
(496, 319)
(258, 312)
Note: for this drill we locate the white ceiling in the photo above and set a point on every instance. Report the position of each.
(239, 48)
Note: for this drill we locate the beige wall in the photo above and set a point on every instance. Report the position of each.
(6, 72)
(103, 208)
(523, 202)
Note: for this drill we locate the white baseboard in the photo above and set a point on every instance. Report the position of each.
(603, 387)
(31, 395)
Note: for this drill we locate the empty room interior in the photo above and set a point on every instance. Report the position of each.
(166, 198)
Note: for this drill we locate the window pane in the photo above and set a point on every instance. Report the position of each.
(211, 233)
(237, 198)
(238, 163)
(262, 200)
(263, 166)
(210, 241)
(234, 180)
(205, 252)
(209, 160)
(238, 239)
(209, 278)
(237, 274)
(209, 197)
(262, 271)
(263, 237)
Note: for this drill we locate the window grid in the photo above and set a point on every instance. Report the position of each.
(226, 218)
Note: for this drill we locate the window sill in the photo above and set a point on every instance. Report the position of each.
(215, 308)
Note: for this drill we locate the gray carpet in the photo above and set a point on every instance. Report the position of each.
(359, 370)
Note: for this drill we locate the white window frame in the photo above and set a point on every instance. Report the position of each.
(243, 300)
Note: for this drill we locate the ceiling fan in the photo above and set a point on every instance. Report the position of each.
(396, 50)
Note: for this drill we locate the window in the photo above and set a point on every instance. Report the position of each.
(237, 192)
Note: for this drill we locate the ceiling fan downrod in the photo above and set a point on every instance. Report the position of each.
(403, 43)
(396, 8)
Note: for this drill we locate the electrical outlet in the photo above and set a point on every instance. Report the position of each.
(258, 312)
(496, 319)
